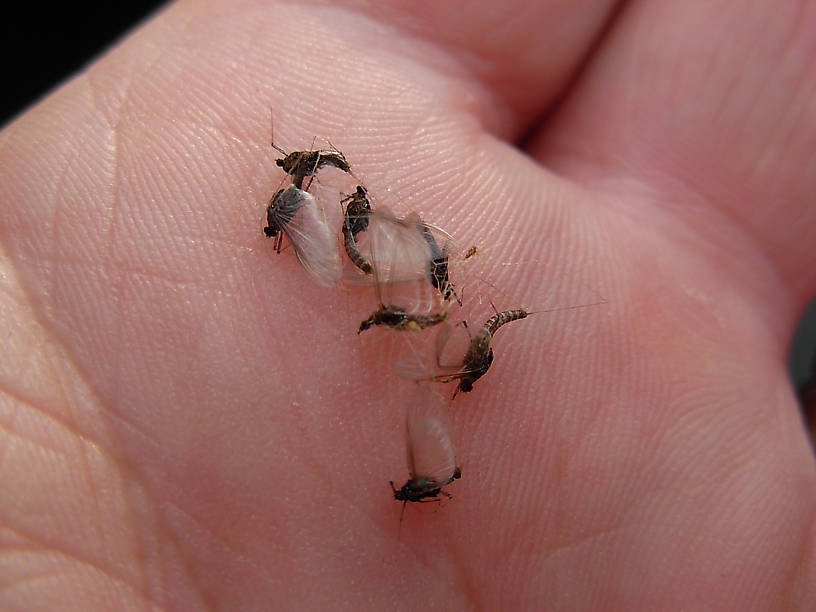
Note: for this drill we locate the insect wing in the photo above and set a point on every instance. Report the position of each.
(397, 250)
(431, 454)
(401, 257)
(450, 345)
(314, 241)
(436, 360)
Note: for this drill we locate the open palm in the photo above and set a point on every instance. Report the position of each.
(188, 422)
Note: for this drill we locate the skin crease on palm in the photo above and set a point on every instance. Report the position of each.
(188, 423)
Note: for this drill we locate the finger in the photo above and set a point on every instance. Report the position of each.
(519, 55)
(713, 105)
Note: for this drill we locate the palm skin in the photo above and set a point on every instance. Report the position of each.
(188, 423)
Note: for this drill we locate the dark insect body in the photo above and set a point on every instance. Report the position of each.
(302, 164)
(420, 488)
(398, 256)
(397, 318)
(479, 355)
(295, 213)
(358, 210)
(355, 220)
(431, 455)
(438, 264)
(282, 207)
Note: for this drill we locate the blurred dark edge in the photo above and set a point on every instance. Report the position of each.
(802, 364)
(45, 45)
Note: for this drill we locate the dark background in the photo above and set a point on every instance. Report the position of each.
(42, 47)
(45, 43)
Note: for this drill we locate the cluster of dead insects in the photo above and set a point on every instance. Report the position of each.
(400, 257)
(408, 263)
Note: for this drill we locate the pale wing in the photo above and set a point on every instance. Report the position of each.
(440, 266)
(431, 452)
(450, 346)
(396, 254)
(428, 359)
(315, 243)
(439, 360)
(396, 249)
(402, 258)
(331, 187)
(417, 363)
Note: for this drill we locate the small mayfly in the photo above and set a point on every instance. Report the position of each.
(400, 319)
(399, 255)
(295, 213)
(355, 220)
(478, 356)
(305, 164)
(431, 454)
(397, 240)
(302, 164)
(438, 272)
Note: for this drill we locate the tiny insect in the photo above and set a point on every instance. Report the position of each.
(355, 220)
(431, 454)
(303, 164)
(438, 273)
(399, 319)
(295, 213)
(474, 250)
(478, 356)
(399, 253)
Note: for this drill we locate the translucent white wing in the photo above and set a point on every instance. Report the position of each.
(428, 359)
(402, 257)
(398, 251)
(314, 241)
(393, 247)
(431, 453)
(450, 345)
(418, 361)
(328, 188)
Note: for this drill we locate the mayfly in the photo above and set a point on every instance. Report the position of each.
(295, 213)
(438, 272)
(355, 220)
(399, 255)
(400, 319)
(478, 356)
(431, 454)
(302, 164)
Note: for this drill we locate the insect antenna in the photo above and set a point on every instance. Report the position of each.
(272, 132)
(575, 307)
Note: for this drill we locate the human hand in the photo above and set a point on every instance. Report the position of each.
(188, 423)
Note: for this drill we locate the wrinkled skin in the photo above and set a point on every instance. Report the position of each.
(188, 423)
